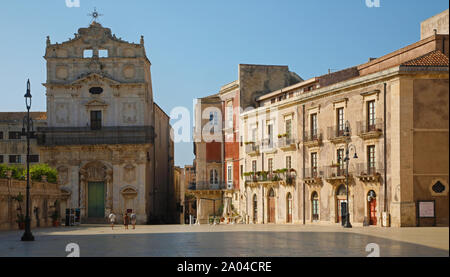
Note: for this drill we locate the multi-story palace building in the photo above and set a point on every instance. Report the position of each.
(386, 119)
(109, 141)
(216, 137)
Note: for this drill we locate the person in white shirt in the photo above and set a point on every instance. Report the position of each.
(112, 220)
(133, 220)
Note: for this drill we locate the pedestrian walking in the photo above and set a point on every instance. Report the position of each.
(133, 220)
(112, 220)
(126, 220)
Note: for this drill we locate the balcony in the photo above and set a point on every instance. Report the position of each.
(58, 136)
(313, 138)
(268, 146)
(251, 148)
(286, 143)
(313, 176)
(278, 176)
(205, 186)
(335, 174)
(371, 130)
(369, 172)
(336, 134)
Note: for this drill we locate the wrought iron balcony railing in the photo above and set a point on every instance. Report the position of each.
(370, 129)
(363, 169)
(251, 148)
(268, 145)
(54, 136)
(209, 186)
(313, 137)
(314, 173)
(336, 133)
(286, 142)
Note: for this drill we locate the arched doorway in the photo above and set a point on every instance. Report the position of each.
(341, 202)
(315, 206)
(289, 208)
(271, 207)
(372, 207)
(255, 209)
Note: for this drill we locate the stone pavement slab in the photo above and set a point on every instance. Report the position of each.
(228, 240)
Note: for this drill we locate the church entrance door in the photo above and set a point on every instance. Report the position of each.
(96, 199)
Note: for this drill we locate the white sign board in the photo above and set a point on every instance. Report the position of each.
(426, 209)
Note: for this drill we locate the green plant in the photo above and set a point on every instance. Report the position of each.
(17, 171)
(39, 170)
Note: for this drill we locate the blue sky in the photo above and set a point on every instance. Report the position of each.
(195, 46)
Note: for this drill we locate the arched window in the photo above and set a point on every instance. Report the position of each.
(342, 190)
(315, 206)
(289, 207)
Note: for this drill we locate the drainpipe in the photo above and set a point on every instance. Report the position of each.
(303, 161)
(385, 151)
(262, 169)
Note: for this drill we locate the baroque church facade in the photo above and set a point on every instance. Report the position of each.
(107, 138)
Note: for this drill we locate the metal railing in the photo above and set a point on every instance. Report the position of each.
(335, 171)
(363, 169)
(313, 135)
(364, 127)
(335, 132)
(251, 147)
(313, 173)
(54, 136)
(204, 185)
(268, 144)
(286, 141)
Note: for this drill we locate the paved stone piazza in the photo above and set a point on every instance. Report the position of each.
(228, 240)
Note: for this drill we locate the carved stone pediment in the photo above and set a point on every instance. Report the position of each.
(95, 78)
(95, 172)
(129, 192)
(96, 103)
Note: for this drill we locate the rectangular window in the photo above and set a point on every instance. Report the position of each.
(254, 134)
(230, 115)
(288, 127)
(242, 171)
(15, 159)
(230, 174)
(273, 100)
(288, 162)
(371, 115)
(340, 160)
(270, 165)
(270, 135)
(96, 120)
(314, 165)
(15, 135)
(88, 53)
(34, 158)
(1, 135)
(340, 121)
(1, 159)
(313, 126)
(254, 168)
(371, 159)
(103, 53)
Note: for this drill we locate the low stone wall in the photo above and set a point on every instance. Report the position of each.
(43, 196)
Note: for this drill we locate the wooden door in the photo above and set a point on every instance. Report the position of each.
(271, 209)
(96, 199)
(373, 211)
(289, 211)
(339, 209)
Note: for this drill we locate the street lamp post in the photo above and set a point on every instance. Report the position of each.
(28, 236)
(347, 134)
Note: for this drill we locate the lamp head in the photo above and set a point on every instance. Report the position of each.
(28, 95)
